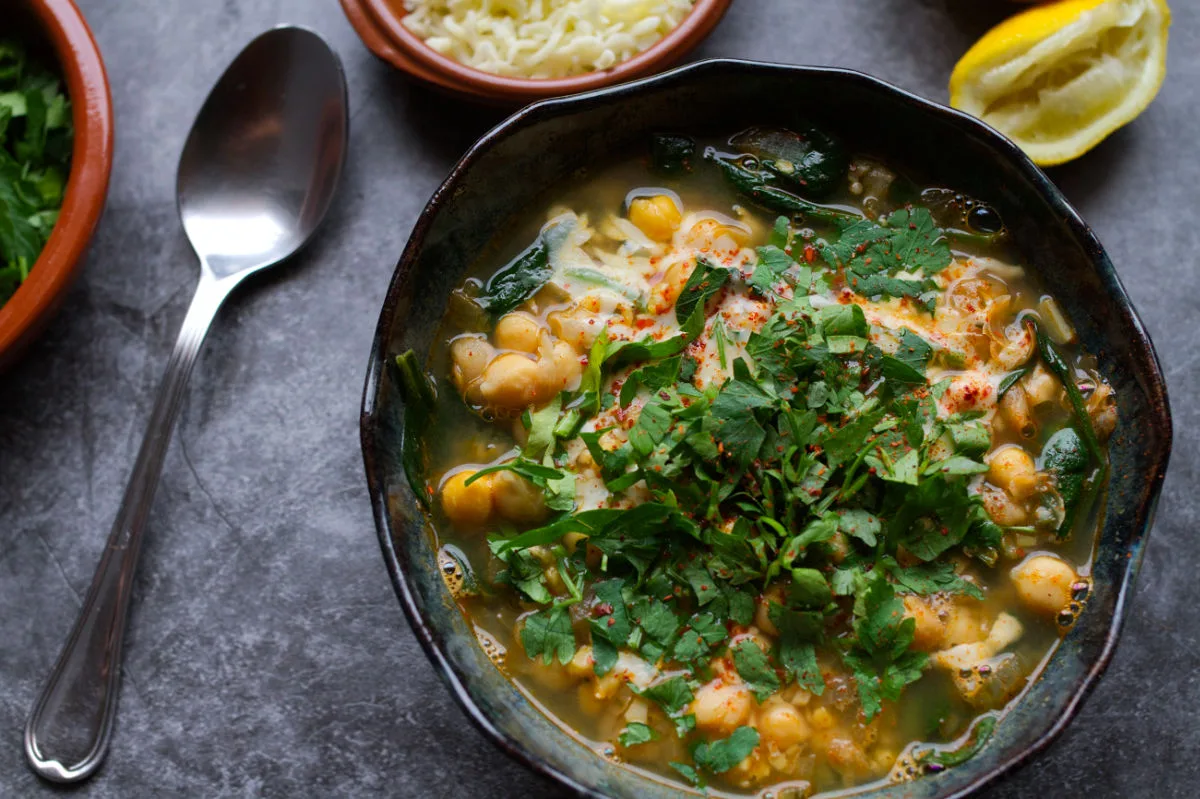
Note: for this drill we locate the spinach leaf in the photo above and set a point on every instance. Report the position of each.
(980, 734)
(524, 275)
(1064, 457)
(416, 389)
(811, 160)
(671, 154)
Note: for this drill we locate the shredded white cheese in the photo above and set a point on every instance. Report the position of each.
(542, 38)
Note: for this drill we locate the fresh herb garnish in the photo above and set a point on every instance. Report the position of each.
(35, 154)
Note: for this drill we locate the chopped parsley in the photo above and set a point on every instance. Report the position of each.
(35, 154)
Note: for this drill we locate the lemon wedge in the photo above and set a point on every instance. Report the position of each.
(1060, 77)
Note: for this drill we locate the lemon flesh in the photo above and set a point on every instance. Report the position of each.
(1059, 78)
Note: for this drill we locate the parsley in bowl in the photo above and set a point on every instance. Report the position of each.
(35, 152)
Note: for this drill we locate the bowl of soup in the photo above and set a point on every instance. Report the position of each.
(741, 447)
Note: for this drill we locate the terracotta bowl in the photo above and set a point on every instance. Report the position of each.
(58, 30)
(544, 146)
(378, 23)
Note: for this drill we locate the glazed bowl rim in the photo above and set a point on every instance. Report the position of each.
(81, 66)
(1159, 406)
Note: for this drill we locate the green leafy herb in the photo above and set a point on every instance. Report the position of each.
(980, 734)
(35, 154)
(671, 154)
(547, 633)
(720, 756)
(636, 733)
(810, 159)
(754, 667)
(527, 273)
(880, 658)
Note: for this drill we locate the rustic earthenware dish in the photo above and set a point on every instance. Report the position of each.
(378, 24)
(544, 144)
(57, 29)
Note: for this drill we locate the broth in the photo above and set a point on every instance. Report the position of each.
(832, 563)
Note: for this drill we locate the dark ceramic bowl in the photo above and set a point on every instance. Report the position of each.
(543, 144)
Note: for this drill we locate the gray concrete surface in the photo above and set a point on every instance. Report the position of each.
(267, 655)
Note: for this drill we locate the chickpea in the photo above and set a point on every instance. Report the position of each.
(607, 686)
(1001, 508)
(720, 709)
(514, 381)
(1041, 386)
(518, 331)
(1014, 409)
(964, 624)
(580, 666)
(930, 630)
(657, 217)
(567, 367)
(822, 719)
(664, 293)
(517, 499)
(782, 724)
(762, 613)
(1044, 582)
(753, 769)
(1012, 469)
(713, 235)
(465, 505)
(846, 757)
(470, 356)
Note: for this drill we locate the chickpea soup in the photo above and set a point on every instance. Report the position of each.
(762, 468)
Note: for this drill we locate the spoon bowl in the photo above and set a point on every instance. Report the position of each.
(256, 177)
(249, 195)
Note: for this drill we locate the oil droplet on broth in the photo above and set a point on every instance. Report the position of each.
(491, 647)
(452, 574)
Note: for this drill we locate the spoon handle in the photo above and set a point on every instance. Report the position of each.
(67, 735)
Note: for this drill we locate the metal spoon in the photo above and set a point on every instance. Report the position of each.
(256, 177)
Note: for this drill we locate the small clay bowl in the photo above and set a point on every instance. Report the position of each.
(56, 30)
(378, 23)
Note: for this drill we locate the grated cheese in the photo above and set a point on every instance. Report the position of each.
(543, 38)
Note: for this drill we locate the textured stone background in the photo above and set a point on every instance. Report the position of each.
(267, 655)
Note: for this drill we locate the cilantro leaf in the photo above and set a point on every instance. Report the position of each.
(705, 281)
(917, 242)
(548, 633)
(773, 262)
(755, 669)
(610, 623)
(860, 524)
(673, 695)
(720, 756)
(799, 631)
(932, 578)
(636, 733)
(914, 351)
(880, 658)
